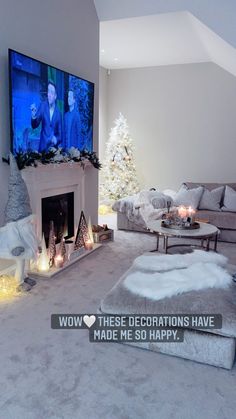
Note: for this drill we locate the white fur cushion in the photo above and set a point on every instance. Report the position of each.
(166, 284)
(158, 277)
(229, 199)
(155, 262)
(211, 200)
(188, 197)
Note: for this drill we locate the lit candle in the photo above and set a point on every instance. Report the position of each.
(89, 245)
(182, 212)
(58, 261)
(43, 265)
(191, 213)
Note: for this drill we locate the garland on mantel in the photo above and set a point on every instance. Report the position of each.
(55, 156)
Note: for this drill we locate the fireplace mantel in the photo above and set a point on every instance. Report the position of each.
(55, 179)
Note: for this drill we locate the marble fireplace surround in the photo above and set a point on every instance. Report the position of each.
(55, 179)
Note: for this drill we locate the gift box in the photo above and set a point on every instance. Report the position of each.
(102, 234)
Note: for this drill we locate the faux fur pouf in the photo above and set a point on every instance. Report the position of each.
(157, 277)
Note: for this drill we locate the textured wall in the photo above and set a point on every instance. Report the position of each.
(62, 33)
(183, 121)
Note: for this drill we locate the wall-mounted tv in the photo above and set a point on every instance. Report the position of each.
(48, 107)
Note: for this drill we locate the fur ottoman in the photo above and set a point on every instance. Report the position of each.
(215, 347)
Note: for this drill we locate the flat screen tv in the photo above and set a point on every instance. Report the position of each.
(48, 107)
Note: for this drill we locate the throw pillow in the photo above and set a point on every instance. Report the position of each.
(162, 202)
(211, 200)
(188, 197)
(229, 200)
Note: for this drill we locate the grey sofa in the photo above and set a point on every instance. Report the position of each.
(225, 221)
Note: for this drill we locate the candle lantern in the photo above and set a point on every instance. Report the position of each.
(89, 245)
(59, 261)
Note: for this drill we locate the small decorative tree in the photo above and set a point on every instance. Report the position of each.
(43, 259)
(119, 177)
(82, 235)
(90, 230)
(51, 244)
(62, 248)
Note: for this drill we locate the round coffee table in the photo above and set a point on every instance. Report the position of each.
(206, 232)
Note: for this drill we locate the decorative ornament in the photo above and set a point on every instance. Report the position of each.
(9, 288)
(79, 241)
(74, 153)
(90, 230)
(18, 240)
(54, 155)
(43, 259)
(51, 244)
(82, 235)
(62, 248)
(89, 242)
(18, 204)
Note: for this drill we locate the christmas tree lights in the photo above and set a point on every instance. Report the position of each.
(119, 177)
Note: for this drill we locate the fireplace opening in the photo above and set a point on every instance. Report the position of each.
(60, 210)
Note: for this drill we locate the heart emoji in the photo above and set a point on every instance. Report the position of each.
(89, 320)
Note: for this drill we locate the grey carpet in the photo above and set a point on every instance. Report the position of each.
(53, 374)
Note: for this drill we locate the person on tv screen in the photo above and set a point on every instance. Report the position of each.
(72, 124)
(50, 116)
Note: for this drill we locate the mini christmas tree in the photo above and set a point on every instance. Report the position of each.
(90, 230)
(43, 260)
(82, 235)
(51, 244)
(119, 177)
(62, 248)
(79, 242)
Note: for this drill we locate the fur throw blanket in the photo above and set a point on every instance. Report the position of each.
(158, 277)
(144, 206)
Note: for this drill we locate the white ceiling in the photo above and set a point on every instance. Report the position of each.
(162, 39)
(218, 15)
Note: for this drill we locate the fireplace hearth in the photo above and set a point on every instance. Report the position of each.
(53, 180)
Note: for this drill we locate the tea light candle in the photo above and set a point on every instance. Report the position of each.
(191, 213)
(182, 212)
(89, 245)
(58, 261)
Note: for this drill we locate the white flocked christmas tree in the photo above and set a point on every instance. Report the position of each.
(119, 177)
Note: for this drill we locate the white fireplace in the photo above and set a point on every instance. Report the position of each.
(55, 179)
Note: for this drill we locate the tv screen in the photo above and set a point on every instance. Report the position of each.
(49, 107)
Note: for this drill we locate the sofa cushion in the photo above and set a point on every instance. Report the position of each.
(159, 200)
(211, 199)
(220, 219)
(188, 197)
(208, 185)
(229, 199)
